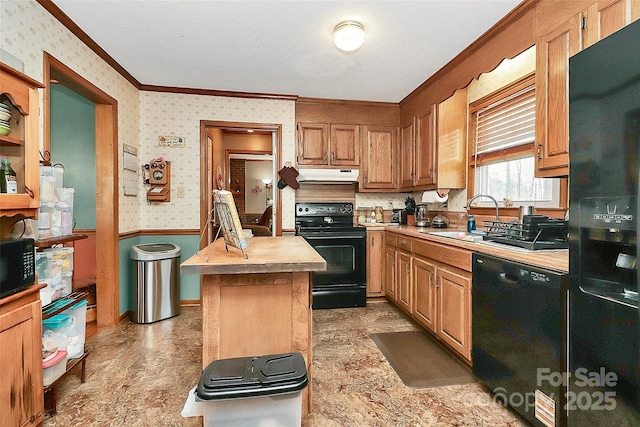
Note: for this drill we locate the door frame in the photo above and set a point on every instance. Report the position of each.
(207, 170)
(107, 197)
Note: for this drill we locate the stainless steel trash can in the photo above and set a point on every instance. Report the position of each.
(157, 294)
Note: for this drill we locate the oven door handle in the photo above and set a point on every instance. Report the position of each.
(335, 236)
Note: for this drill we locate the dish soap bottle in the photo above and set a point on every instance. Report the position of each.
(8, 179)
(471, 223)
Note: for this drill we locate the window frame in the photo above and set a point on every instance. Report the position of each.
(507, 153)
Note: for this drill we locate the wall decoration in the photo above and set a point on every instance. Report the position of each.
(130, 170)
(171, 140)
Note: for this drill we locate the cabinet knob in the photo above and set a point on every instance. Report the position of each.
(29, 192)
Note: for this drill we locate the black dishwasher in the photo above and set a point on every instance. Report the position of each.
(518, 337)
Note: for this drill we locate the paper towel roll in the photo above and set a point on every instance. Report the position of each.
(433, 196)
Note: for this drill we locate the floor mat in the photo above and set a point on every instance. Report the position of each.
(420, 362)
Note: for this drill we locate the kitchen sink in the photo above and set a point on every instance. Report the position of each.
(458, 235)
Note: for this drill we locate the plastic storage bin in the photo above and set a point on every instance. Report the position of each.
(250, 391)
(76, 329)
(54, 368)
(55, 329)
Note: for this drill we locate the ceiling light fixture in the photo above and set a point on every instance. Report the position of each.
(348, 36)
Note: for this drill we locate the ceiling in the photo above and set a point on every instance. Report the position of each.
(285, 47)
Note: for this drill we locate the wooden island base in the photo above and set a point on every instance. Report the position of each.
(260, 305)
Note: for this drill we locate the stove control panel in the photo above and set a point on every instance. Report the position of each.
(324, 209)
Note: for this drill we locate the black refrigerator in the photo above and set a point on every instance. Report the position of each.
(603, 378)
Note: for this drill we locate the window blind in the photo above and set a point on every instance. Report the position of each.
(509, 122)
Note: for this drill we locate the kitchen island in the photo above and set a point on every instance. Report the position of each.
(258, 305)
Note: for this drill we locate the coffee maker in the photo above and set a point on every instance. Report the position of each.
(422, 216)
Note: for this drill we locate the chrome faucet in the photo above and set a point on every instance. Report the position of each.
(483, 195)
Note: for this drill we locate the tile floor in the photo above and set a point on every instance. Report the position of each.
(139, 375)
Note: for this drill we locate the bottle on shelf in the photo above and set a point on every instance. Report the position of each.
(8, 179)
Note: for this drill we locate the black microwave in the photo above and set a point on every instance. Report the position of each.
(17, 265)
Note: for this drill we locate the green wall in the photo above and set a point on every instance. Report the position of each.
(189, 284)
(73, 145)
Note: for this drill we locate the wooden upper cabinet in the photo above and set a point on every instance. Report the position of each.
(313, 147)
(552, 76)
(21, 145)
(425, 153)
(324, 144)
(379, 157)
(407, 155)
(452, 141)
(552, 97)
(345, 148)
(603, 19)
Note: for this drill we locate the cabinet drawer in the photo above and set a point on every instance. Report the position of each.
(405, 243)
(460, 258)
(391, 238)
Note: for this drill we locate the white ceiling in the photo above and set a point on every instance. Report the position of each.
(285, 47)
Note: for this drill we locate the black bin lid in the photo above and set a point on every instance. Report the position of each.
(252, 377)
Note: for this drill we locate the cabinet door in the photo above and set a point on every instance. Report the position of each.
(404, 283)
(345, 147)
(313, 144)
(425, 152)
(454, 310)
(379, 157)
(552, 97)
(407, 155)
(21, 390)
(452, 141)
(424, 278)
(375, 255)
(21, 145)
(603, 19)
(390, 272)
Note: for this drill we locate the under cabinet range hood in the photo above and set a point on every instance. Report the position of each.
(327, 176)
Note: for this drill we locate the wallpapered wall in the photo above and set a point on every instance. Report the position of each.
(28, 30)
(164, 113)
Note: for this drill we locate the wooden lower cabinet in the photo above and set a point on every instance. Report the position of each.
(424, 277)
(404, 285)
(390, 272)
(453, 291)
(375, 256)
(21, 390)
(437, 295)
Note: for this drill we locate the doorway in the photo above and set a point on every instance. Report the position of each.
(106, 171)
(215, 166)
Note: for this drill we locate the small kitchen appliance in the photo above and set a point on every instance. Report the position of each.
(440, 221)
(17, 265)
(422, 216)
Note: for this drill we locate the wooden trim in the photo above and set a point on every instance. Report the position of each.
(107, 196)
(212, 92)
(107, 213)
(54, 10)
(510, 89)
(305, 100)
(206, 170)
(508, 38)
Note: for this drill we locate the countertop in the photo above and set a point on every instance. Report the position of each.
(265, 255)
(552, 259)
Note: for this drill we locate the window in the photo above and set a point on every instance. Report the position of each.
(502, 159)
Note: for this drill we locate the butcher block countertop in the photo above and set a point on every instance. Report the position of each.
(265, 255)
(552, 259)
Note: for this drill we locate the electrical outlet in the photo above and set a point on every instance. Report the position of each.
(180, 191)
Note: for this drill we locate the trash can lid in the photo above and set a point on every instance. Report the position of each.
(154, 251)
(252, 377)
